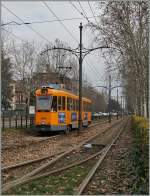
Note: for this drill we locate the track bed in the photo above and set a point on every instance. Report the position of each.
(78, 155)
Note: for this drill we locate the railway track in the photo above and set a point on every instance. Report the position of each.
(51, 166)
(19, 157)
(10, 170)
(9, 147)
(32, 149)
(80, 190)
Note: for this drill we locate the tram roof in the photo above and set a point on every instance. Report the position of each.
(60, 92)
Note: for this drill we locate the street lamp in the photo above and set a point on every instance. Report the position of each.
(109, 101)
(80, 53)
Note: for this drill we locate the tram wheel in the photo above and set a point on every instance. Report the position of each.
(67, 130)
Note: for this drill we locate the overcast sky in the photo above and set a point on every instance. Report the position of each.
(30, 11)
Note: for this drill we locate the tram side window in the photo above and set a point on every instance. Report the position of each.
(90, 107)
(84, 106)
(68, 103)
(87, 107)
(63, 103)
(71, 104)
(54, 104)
(77, 105)
(59, 103)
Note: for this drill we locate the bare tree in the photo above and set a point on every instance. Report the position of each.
(97, 98)
(59, 61)
(24, 58)
(6, 72)
(124, 26)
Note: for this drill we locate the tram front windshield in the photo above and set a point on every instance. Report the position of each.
(43, 103)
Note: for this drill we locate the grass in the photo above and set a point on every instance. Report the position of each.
(140, 155)
(61, 184)
(18, 130)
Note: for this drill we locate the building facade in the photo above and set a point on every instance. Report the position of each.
(19, 99)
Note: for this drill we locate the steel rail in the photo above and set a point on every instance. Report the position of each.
(45, 157)
(30, 143)
(29, 161)
(51, 137)
(66, 167)
(89, 176)
(27, 177)
(27, 180)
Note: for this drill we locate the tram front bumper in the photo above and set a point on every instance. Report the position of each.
(51, 127)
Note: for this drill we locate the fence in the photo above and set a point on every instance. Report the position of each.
(8, 113)
(21, 119)
(16, 119)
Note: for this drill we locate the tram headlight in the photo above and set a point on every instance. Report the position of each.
(43, 122)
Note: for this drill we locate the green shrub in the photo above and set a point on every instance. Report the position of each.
(140, 154)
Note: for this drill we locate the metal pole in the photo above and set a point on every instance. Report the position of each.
(117, 103)
(16, 121)
(26, 112)
(109, 99)
(3, 122)
(26, 121)
(121, 107)
(9, 122)
(80, 80)
(21, 120)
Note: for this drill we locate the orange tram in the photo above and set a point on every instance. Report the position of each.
(57, 110)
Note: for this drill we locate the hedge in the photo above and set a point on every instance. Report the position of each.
(140, 154)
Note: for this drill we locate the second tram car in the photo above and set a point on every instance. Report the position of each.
(57, 110)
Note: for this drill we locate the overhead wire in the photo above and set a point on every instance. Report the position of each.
(40, 35)
(92, 12)
(83, 11)
(45, 21)
(10, 23)
(93, 15)
(51, 11)
(76, 8)
(92, 68)
(64, 27)
(95, 21)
